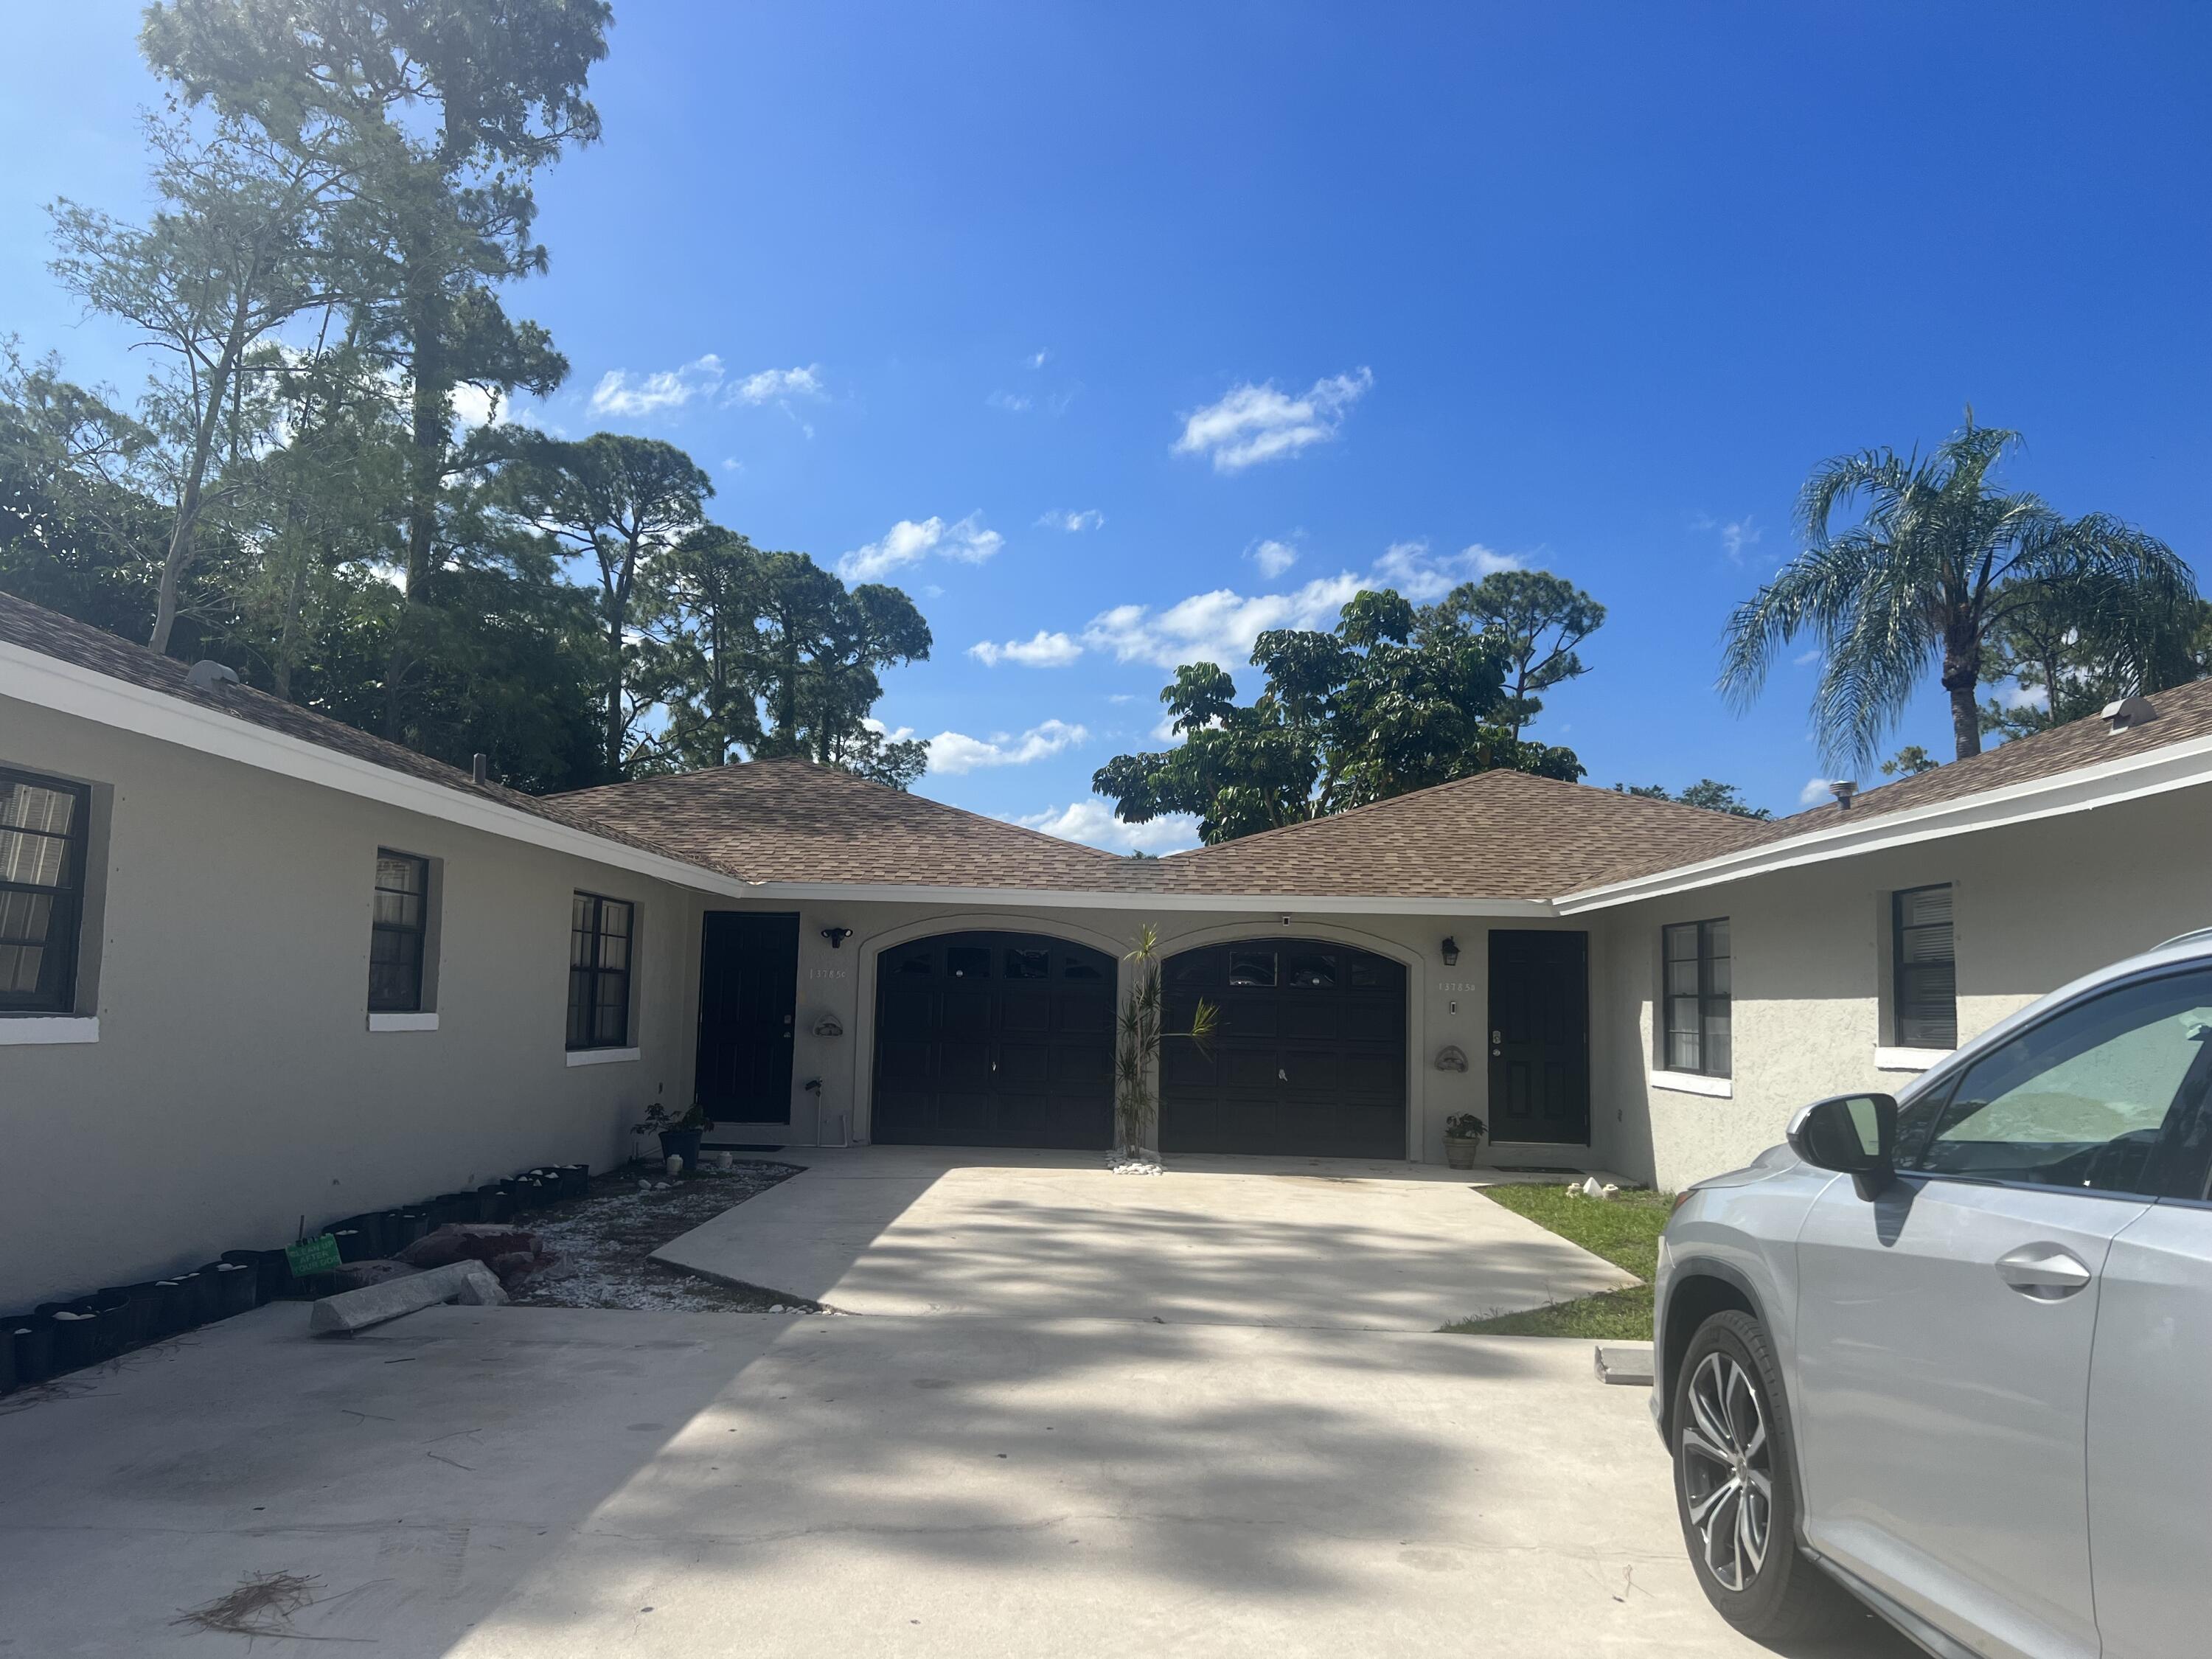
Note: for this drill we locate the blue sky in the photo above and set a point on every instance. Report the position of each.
(939, 292)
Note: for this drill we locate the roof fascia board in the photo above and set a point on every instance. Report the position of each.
(1055, 899)
(49, 683)
(2179, 766)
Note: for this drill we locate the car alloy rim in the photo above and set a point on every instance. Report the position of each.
(1728, 1476)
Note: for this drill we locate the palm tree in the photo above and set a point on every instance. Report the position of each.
(1938, 558)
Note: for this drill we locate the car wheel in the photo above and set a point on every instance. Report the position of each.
(1736, 1488)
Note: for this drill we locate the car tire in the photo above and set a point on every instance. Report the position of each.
(1736, 1488)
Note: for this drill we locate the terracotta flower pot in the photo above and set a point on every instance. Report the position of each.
(1460, 1151)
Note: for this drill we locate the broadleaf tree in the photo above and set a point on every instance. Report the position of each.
(1390, 700)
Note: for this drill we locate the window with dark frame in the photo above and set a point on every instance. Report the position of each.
(1697, 992)
(1923, 972)
(397, 926)
(43, 826)
(599, 935)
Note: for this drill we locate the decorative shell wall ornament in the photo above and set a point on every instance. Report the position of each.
(828, 1026)
(1451, 1058)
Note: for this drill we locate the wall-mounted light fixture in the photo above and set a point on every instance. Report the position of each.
(836, 936)
(1450, 948)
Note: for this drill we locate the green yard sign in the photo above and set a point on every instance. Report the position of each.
(313, 1255)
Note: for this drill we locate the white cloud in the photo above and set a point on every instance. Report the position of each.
(1738, 535)
(1217, 626)
(1036, 359)
(1420, 576)
(1263, 423)
(1815, 793)
(1013, 403)
(2016, 695)
(1807, 658)
(909, 543)
(618, 394)
(777, 384)
(1093, 823)
(1043, 651)
(1074, 522)
(955, 752)
(1273, 557)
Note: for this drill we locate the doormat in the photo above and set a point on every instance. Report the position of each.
(1536, 1169)
(734, 1146)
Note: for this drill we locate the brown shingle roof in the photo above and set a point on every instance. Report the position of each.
(52, 635)
(791, 820)
(2183, 712)
(1497, 835)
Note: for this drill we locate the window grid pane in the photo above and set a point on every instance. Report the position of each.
(598, 971)
(42, 849)
(1697, 979)
(1924, 971)
(398, 913)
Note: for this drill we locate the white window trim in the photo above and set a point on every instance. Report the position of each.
(601, 1056)
(42, 1028)
(1694, 1083)
(403, 1021)
(1909, 1059)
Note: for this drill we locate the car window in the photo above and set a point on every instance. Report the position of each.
(2098, 1096)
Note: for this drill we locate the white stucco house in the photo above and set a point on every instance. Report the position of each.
(258, 968)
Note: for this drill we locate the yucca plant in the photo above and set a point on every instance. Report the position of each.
(1142, 1032)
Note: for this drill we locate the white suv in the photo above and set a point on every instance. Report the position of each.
(1953, 1352)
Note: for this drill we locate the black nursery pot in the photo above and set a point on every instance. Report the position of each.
(167, 1298)
(493, 1203)
(403, 1227)
(131, 1307)
(575, 1180)
(272, 1274)
(29, 1339)
(76, 1339)
(191, 1306)
(353, 1244)
(237, 1287)
(7, 1359)
(372, 1229)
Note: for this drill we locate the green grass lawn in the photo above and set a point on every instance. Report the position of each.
(1624, 1231)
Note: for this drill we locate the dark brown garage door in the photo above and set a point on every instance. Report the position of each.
(1310, 1057)
(994, 1040)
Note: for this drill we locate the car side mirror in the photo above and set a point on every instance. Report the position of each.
(1852, 1134)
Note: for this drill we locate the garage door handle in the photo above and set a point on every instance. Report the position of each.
(2047, 1273)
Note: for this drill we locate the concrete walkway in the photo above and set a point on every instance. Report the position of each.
(1323, 1243)
(524, 1483)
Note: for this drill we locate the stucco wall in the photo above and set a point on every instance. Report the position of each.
(1446, 1005)
(235, 1087)
(2035, 906)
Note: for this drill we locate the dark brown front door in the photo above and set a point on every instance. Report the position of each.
(1539, 1038)
(1308, 1059)
(748, 993)
(989, 1039)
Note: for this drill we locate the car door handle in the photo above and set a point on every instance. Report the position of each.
(2045, 1272)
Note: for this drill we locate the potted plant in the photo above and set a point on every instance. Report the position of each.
(1463, 1137)
(679, 1136)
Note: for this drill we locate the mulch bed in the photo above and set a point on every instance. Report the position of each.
(600, 1243)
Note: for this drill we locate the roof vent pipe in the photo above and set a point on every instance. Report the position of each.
(1843, 789)
(208, 675)
(480, 767)
(2128, 711)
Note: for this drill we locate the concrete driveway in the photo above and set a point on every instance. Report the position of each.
(1238, 1241)
(528, 1483)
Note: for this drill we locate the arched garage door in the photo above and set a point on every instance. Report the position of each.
(994, 1040)
(1308, 1058)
